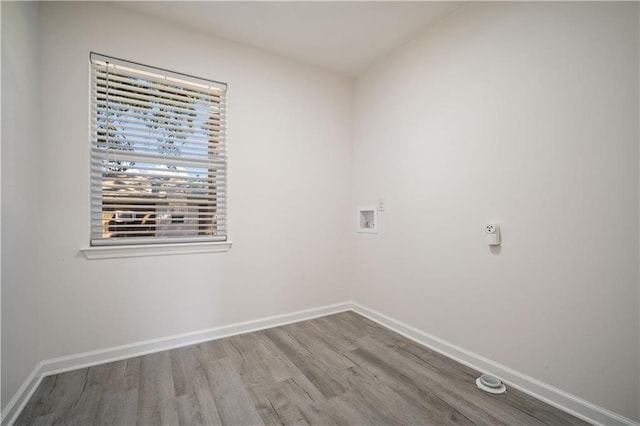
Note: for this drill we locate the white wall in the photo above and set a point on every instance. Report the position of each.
(289, 132)
(525, 114)
(20, 194)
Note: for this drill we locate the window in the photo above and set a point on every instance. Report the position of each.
(158, 156)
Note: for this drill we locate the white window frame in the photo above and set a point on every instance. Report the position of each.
(170, 169)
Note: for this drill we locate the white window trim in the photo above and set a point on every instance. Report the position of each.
(140, 250)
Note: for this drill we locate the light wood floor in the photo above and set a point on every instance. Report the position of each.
(340, 369)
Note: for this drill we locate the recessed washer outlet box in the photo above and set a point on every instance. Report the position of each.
(367, 220)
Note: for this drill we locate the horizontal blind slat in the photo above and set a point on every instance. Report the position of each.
(157, 78)
(164, 225)
(198, 134)
(193, 107)
(156, 170)
(138, 146)
(218, 208)
(211, 90)
(164, 216)
(141, 183)
(142, 200)
(168, 223)
(136, 136)
(133, 85)
(118, 155)
(115, 100)
(212, 123)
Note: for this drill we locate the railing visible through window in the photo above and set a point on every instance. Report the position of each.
(158, 155)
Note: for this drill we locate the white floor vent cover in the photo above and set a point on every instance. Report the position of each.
(491, 384)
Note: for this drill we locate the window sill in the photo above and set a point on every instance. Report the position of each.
(113, 252)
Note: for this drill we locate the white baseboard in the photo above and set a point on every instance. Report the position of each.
(19, 400)
(87, 359)
(547, 393)
(553, 396)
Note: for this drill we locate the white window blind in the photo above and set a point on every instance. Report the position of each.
(158, 156)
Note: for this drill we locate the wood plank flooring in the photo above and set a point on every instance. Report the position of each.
(340, 369)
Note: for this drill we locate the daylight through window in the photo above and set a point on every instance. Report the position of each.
(158, 156)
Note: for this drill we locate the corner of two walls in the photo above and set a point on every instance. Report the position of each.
(638, 49)
(20, 195)
(526, 115)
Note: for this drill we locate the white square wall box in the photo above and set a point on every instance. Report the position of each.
(367, 220)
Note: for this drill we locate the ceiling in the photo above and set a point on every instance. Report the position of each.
(343, 36)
